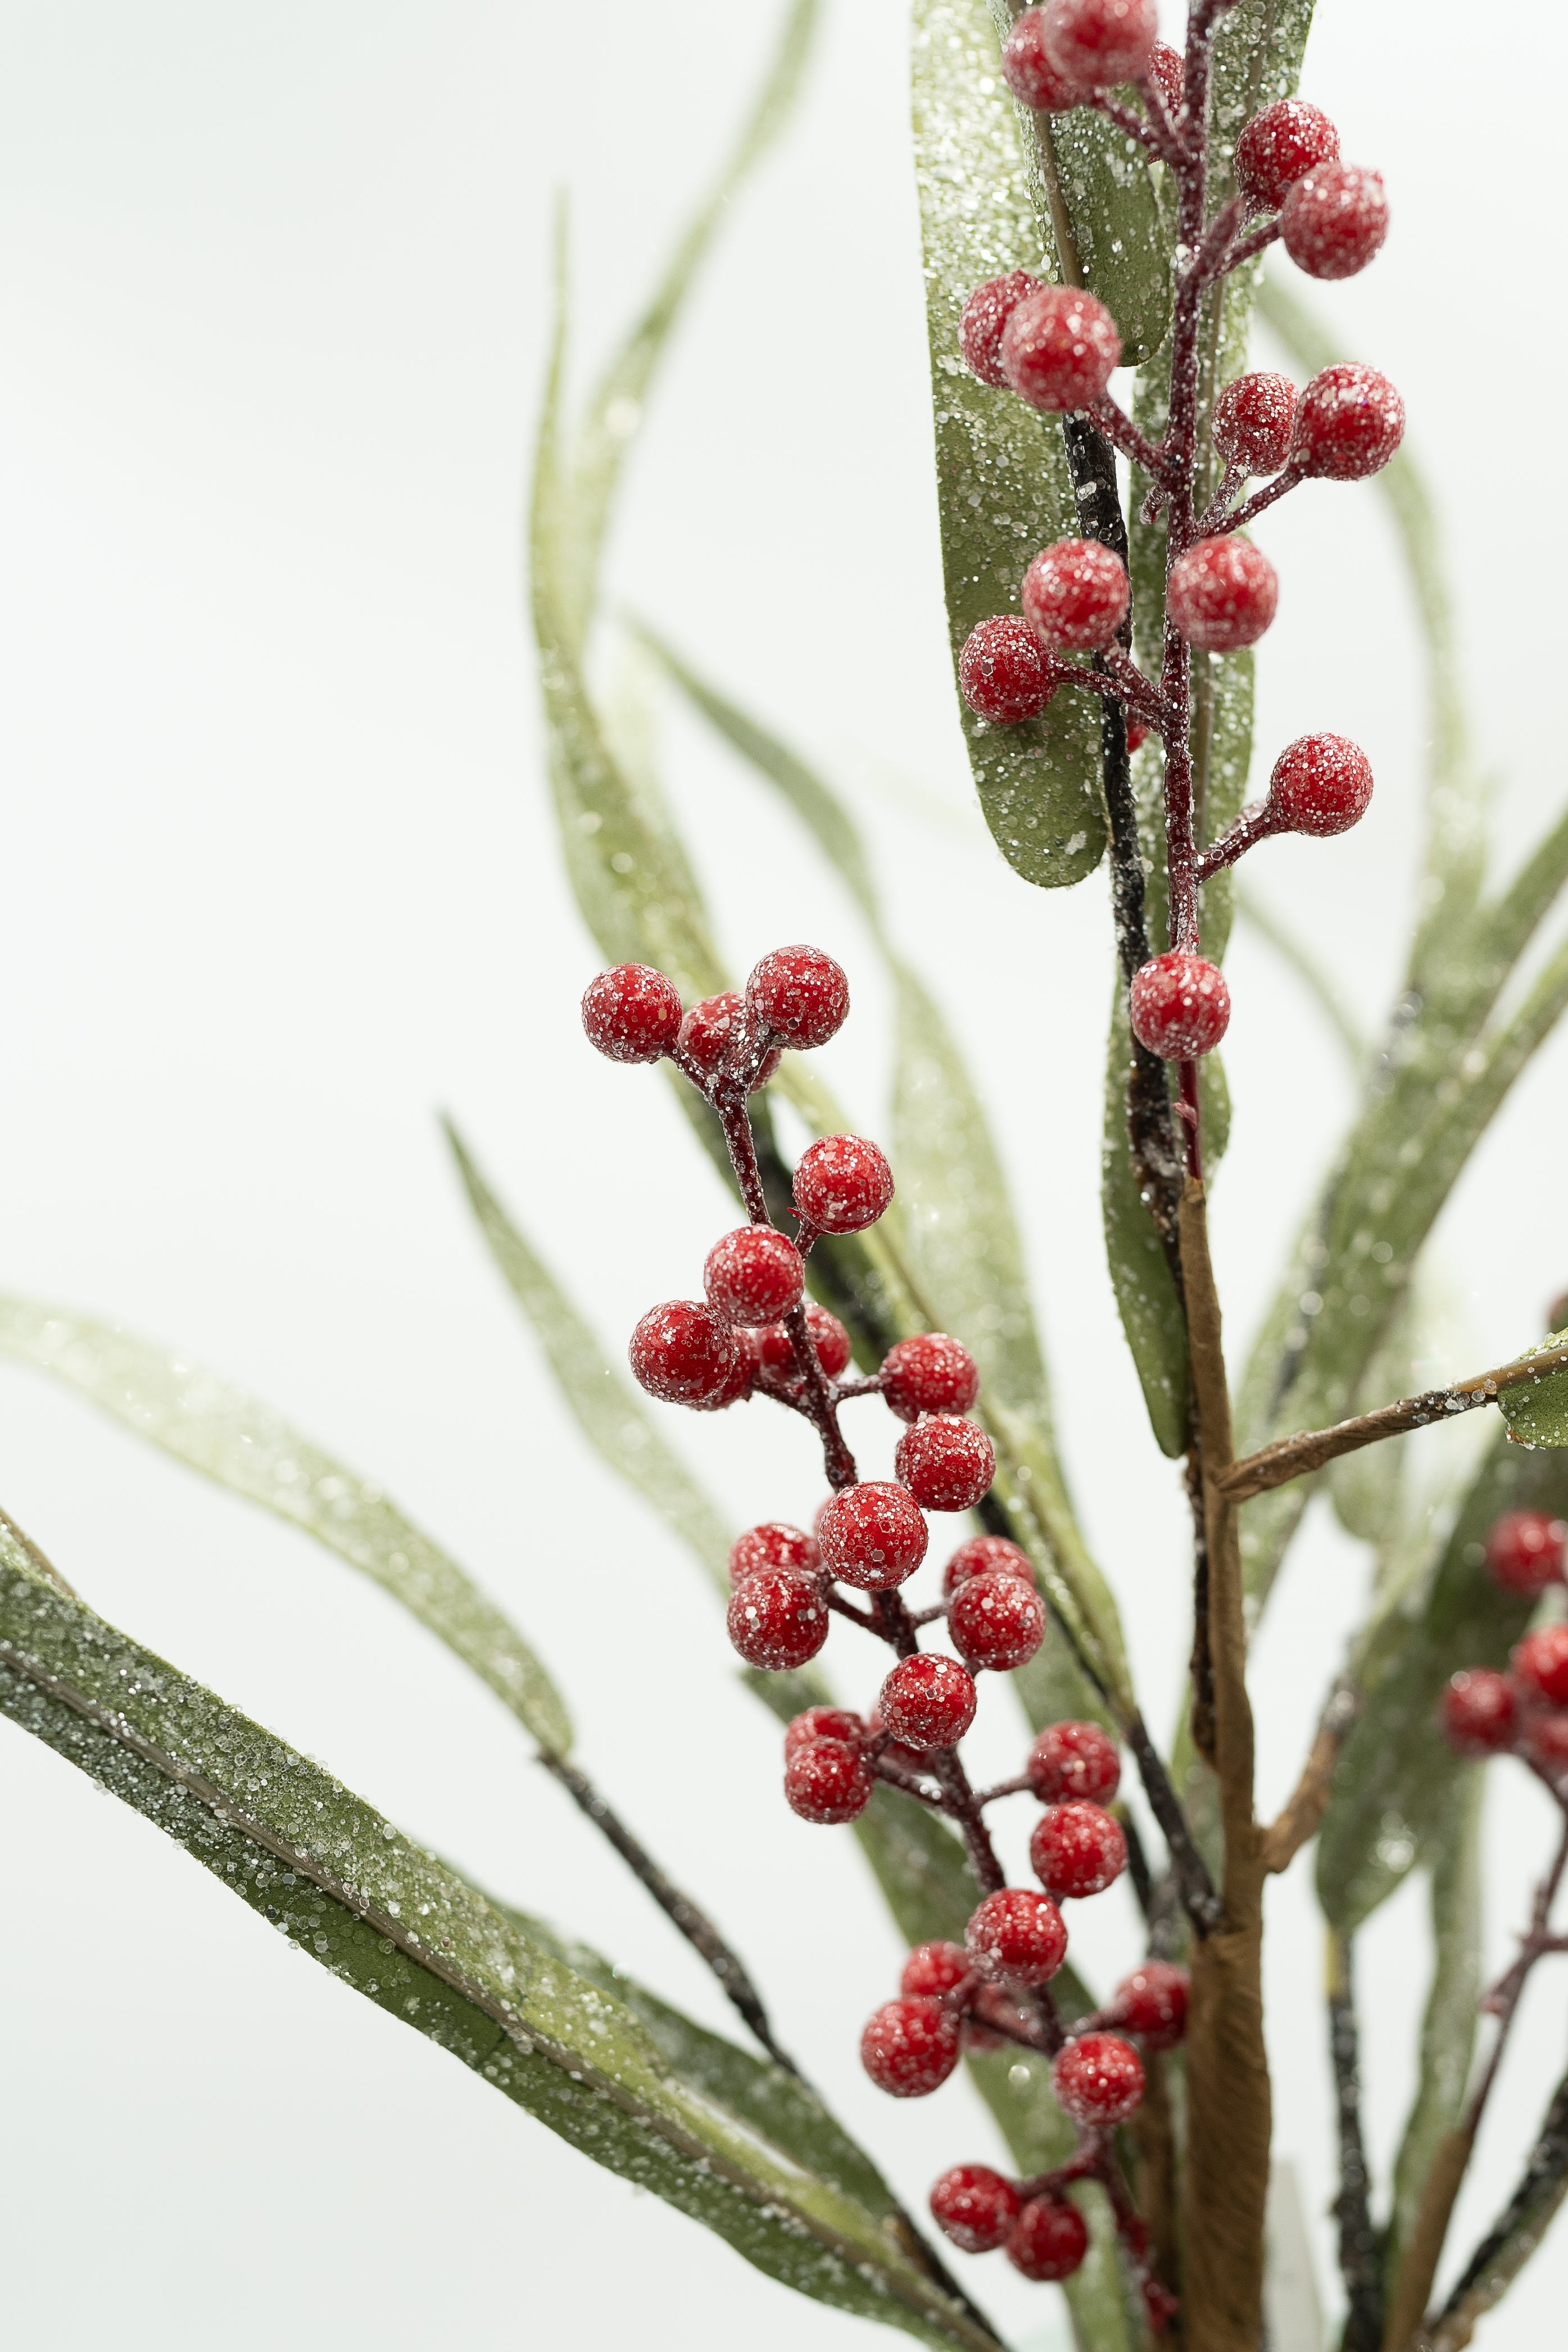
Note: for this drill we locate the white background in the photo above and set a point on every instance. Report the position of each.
(280, 880)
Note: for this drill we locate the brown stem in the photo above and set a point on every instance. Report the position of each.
(1299, 1819)
(1532, 2201)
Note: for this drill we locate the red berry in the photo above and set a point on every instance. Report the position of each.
(842, 1184)
(985, 314)
(893, 1751)
(910, 2048)
(1252, 421)
(822, 1722)
(1222, 594)
(935, 1969)
(872, 1535)
(927, 1701)
(1152, 2003)
(1098, 2079)
(1016, 1936)
(985, 1555)
(774, 1544)
(1059, 348)
(1547, 1743)
(946, 1462)
(1137, 735)
(1335, 220)
(775, 1351)
(1071, 1761)
(1480, 1713)
(741, 1379)
(996, 1619)
(1076, 1850)
(1050, 2239)
(974, 2207)
(1168, 72)
(930, 1373)
(1540, 1666)
(1099, 43)
(753, 1276)
(632, 1014)
(1180, 1006)
(1277, 148)
(827, 1781)
(800, 995)
(1320, 784)
(1030, 73)
(777, 1619)
(1004, 672)
(1075, 594)
(705, 1036)
(682, 1352)
(1348, 423)
(1525, 1550)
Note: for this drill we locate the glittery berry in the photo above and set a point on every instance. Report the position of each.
(1152, 2003)
(842, 1184)
(1180, 1006)
(872, 1535)
(1076, 1850)
(1350, 420)
(1252, 422)
(930, 1373)
(1075, 594)
(1540, 1666)
(927, 1701)
(1168, 72)
(800, 996)
(1137, 734)
(935, 1969)
(1004, 673)
(705, 1036)
(1320, 784)
(753, 1276)
(974, 2207)
(1525, 1552)
(1222, 594)
(1016, 1936)
(1059, 348)
(1028, 71)
(740, 1381)
(1546, 1743)
(946, 1462)
(1049, 2238)
(682, 1352)
(910, 2048)
(985, 1555)
(822, 1722)
(996, 1619)
(777, 1619)
(1071, 1761)
(1334, 221)
(1277, 148)
(632, 1014)
(1097, 2080)
(1097, 43)
(774, 1544)
(985, 314)
(1480, 1713)
(775, 1351)
(827, 1781)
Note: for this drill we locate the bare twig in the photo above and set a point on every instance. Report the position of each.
(1300, 1817)
(1513, 2235)
(1360, 2253)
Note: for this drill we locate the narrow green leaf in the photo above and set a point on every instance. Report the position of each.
(1314, 975)
(1146, 1299)
(214, 1426)
(1537, 1414)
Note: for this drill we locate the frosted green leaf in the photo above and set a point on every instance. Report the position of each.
(1151, 1317)
(213, 1425)
(1537, 1412)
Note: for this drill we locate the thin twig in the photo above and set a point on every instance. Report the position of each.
(1360, 2253)
(1199, 1899)
(1299, 1818)
(1532, 2202)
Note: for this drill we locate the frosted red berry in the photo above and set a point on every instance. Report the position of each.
(1152, 2003)
(774, 1544)
(1350, 420)
(872, 1535)
(930, 1373)
(822, 1722)
(1004, 673)
(985, 314)
(800, 995)
(1333, 222)
(1320, 784)
(1137, 735)
(946, 1462)
(775, 1351)
(842, 1184)
(738, 1384)
(1540, 1666)
(682, 1352)
(1097, 2080)
(1076, 1850)
(1049, 2238)
(1525, 1550)
(927, 1701)
(1277, 148)
(705, 1036)
(1252, 422)
(632, 1014)
(1072, 1760)
(1028, 69)
(974, 2207)
(1180, 1006)
(1546, 1743)
(935, 1969)
(1075, 594)
(1480, 1713)
(1168, 72)
(1222, 594)
(753, 1276)
(1098, 43)
(827, 1781)
(996, 1620)
(1059, 348)
(910, 2048)
(984, 1555)
(1016, 1936)
(777, 1619)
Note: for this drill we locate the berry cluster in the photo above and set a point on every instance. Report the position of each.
(1523, 1712)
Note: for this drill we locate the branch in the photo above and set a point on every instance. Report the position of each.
(1514, 2236)
(1360, 2264)
(1299, 1819)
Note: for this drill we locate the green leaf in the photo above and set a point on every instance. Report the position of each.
(1314, 975)
(1002, 487)
(214, 1426)
(393, 1925)
(1146, 1299)
(1537, 1413)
